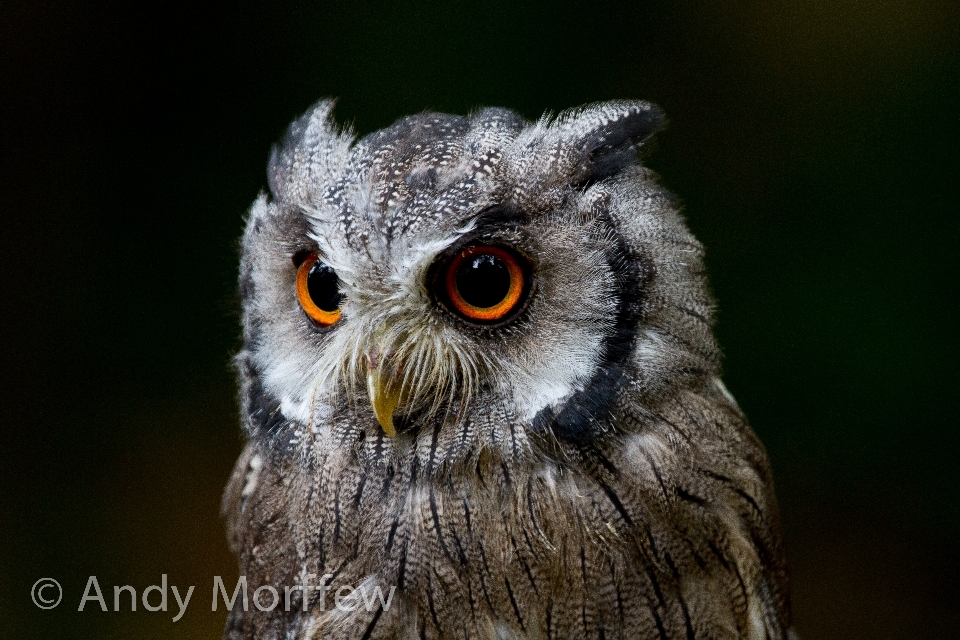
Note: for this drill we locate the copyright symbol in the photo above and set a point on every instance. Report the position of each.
(46, 600)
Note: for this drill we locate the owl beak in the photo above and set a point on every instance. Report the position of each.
(384, 395)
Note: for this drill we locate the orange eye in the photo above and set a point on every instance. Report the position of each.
(485, 283)
(318, 290)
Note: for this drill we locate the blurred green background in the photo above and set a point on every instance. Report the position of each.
(815, 144)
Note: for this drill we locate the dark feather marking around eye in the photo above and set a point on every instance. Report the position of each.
(299, 257)
(497, 218)
(582, 416)
(264, 415)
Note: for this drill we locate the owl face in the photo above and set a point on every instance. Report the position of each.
(478, 366)
(464, 283)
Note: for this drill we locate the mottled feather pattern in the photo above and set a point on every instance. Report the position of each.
(577, 472)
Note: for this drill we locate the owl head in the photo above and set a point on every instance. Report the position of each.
(454, 285)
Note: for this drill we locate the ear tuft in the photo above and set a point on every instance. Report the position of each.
(609, 134)
(311, 146)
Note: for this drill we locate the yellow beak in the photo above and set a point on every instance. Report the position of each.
(384, 397)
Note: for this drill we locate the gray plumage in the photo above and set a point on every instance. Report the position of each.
(576, 470)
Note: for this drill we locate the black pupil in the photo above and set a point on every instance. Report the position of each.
(324, 287)
(483, 280)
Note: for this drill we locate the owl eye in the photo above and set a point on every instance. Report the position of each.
(318, 290)
(485, 283)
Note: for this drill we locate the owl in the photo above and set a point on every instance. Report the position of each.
(482, 396)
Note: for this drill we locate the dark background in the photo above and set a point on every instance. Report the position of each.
(814, 142)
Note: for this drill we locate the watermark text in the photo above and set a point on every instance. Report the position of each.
(312, 593)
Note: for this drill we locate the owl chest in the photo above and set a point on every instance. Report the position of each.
(500, 553)
(509, 552)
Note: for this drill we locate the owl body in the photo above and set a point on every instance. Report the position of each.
(479, 379)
